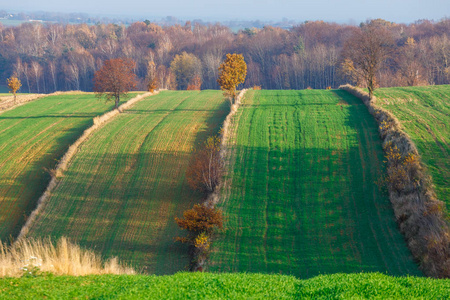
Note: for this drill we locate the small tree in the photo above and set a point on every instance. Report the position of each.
(185, 67)
(14, 85)
(115, 79)
(206, 167)
(199, 220)
(232, 72)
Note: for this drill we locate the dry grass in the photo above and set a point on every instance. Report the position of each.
(31, 257)
(73, 149)
(8, 103)
(420, 215)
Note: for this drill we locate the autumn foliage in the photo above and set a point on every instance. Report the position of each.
(195, 84)
(206, 167)
(198, 219)
(152, 79)
(115, 79)
(14, 85)
(232, 72)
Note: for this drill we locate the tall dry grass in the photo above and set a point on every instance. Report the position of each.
(33, 256)
(420, 215)
(73, 149)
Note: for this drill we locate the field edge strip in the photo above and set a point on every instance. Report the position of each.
(99, 122)
(420, 221)
(213, 198)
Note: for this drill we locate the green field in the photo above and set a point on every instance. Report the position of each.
(127, 183)
(225, 286)
(32, 139)
(300, 197)
(424, 112)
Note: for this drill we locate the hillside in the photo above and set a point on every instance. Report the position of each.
(300, 196)
(33, 137)
(124, 187)
(424, 112)
(225, 286)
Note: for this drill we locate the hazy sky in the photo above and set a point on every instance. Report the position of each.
(300, 10)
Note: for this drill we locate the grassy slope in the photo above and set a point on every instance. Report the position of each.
(425, 114)
(124, 188)
(301, 197)
(32, 138)
(225, 286)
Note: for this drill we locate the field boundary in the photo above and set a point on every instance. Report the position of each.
(65, 160)
(419, 214)
(199, 258)
(213, 198)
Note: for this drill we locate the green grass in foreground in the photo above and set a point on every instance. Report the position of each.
(300, 197)
(225, 286)
(424, 112)
(33, 137)
(126, 185)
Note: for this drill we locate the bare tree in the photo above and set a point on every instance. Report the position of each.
(366, 51)
(115, 79)
(36, 69)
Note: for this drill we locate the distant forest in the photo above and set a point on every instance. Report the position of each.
(49, 57)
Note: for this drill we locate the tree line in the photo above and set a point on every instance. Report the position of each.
(51, 57)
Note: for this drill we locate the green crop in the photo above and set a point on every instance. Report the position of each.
(33, 137)
(300, 196)
(127, 183)
(225, 286)
(424, 112)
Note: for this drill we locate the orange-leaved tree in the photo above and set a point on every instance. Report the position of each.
(199, 220)
(115, 79)
(232, 72)
(14, 85)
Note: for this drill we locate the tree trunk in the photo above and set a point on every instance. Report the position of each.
(117, 101)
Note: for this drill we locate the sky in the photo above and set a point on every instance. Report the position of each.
(400, 11)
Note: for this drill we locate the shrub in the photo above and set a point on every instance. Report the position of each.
(206, 168)
(198, 220)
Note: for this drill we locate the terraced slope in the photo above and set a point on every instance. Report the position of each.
(424, 112)
(32, 139)
(300, 197)
(125, 186)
